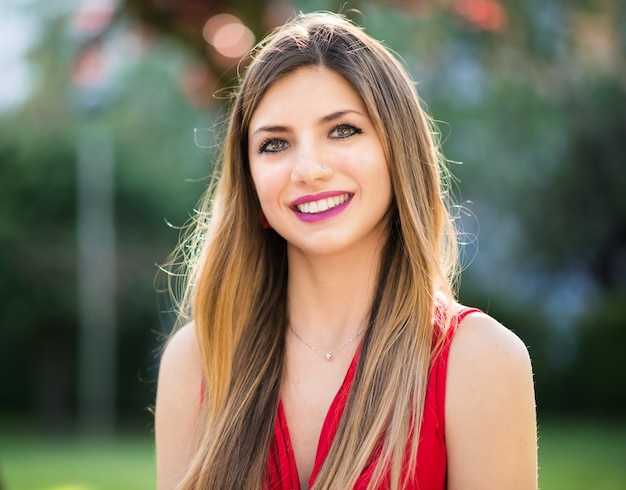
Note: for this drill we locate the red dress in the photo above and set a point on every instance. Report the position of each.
(282, 473)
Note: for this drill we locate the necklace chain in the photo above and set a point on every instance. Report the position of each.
(327, 355)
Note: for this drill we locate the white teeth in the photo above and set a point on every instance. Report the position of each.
(322, 205)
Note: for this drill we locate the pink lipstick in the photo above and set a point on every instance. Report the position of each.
(318, 207)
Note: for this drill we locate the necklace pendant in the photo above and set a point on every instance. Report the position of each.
(328, 356)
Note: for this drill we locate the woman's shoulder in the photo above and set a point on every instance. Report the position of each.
(177, 405)
(484, 353)
(180, 370)
(484, 342)
(490, 407)
(182, 346)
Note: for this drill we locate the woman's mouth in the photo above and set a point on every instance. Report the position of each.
(321, 205)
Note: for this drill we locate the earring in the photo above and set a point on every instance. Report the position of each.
(263, 220)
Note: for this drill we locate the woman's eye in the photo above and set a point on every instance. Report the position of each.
(273, 145)
(344, 131)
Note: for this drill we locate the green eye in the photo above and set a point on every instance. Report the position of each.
(344, 131)
(273, 145)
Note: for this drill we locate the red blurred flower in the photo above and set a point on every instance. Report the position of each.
(486, 15)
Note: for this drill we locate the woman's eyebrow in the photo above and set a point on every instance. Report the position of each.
(271, 129)
(278, 128)
(338, 115)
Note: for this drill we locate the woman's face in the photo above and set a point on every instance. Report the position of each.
(318, 164)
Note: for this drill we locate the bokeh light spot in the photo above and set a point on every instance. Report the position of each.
(228, 35)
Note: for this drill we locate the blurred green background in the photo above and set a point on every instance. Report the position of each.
(109, 121)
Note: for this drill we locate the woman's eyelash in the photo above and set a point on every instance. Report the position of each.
(340, 131)
(345, 130)
(272, 145)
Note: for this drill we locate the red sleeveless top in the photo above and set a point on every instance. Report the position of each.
(430, 474)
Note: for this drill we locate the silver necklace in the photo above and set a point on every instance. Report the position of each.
(327, 355)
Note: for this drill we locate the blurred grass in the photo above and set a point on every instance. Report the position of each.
(28, 462)
(582, 455)
(572, 456)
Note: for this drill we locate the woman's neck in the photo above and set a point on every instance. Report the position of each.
(330, 297)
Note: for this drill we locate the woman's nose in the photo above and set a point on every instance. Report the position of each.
(311, 164)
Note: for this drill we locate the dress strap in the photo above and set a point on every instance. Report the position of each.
(464, 312)
(439, 369)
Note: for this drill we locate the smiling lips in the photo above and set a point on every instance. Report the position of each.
(322, 205)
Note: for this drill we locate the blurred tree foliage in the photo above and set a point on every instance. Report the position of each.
(159, 171)
(532, 99)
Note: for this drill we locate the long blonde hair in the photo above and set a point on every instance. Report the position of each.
(236, 282)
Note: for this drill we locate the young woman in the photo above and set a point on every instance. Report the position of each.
(326, 349)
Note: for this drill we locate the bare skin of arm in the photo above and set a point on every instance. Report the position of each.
(177, 407)
(491, 431)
